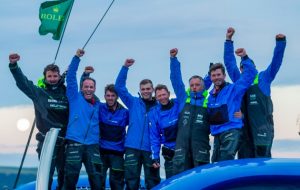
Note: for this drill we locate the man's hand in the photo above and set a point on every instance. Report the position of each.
(238, 114)
(80, 52)
(280, 36)
(173, 52)
(155, 163)
(13, 58)
(128, 62)
(88, 69)
(241, 52)
(229, 34)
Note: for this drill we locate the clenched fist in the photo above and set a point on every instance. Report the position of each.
(128, 62)
(80, 52)
(89, 69)
(13, 58)
(173, 52)
(230, 32)
(240, 52)
(280, 36)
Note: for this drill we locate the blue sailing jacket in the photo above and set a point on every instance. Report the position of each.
(138, 130)
(222, 105)
(163, 127)
(113, 127)
(83, 126)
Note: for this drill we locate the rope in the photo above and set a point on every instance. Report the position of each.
(98, 24)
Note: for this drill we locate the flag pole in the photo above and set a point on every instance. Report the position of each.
(24, 154)
(98, 24)
(62, 36)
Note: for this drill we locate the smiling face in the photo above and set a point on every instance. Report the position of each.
(146, 91)
(88, 89)
(52, 77)
(162, 96)
(110, 98)
(218, 77)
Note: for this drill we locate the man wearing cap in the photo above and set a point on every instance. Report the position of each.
(258, 111)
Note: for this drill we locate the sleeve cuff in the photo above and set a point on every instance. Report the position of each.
(281, 39)
(13, 65)
(245, 57)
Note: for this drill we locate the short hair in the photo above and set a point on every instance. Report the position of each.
(195, 77)
(161, 87)
(51, 67)
(111, 88)
(146, 81)
(88, 78)
(198, 77)
(216, 66)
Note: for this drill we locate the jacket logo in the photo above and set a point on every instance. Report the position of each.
(253, 103)
(252, 97)
(187, 112)
(52, 101)
(199, 118)
(262, 135)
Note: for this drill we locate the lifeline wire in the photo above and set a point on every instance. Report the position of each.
(98, 24)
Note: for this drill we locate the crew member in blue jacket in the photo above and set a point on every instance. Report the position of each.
(224, 100)
(192, 143)
(113, 118)
(83, 130)
(137, 142)
(163, 128)
(258, 109)
(113, 121)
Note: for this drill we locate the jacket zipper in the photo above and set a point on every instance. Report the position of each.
(87, 131)
(145, 116)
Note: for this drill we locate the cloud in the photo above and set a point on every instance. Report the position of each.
(286, 111)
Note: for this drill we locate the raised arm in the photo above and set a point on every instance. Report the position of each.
(175, 76)
(269, 74)
(120, 84)
(25, 85)
(248, 75)
(207, 79)
(229, 58)
(72, 86)
(87, 71)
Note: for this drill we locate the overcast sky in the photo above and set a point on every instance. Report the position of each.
(146, 31)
